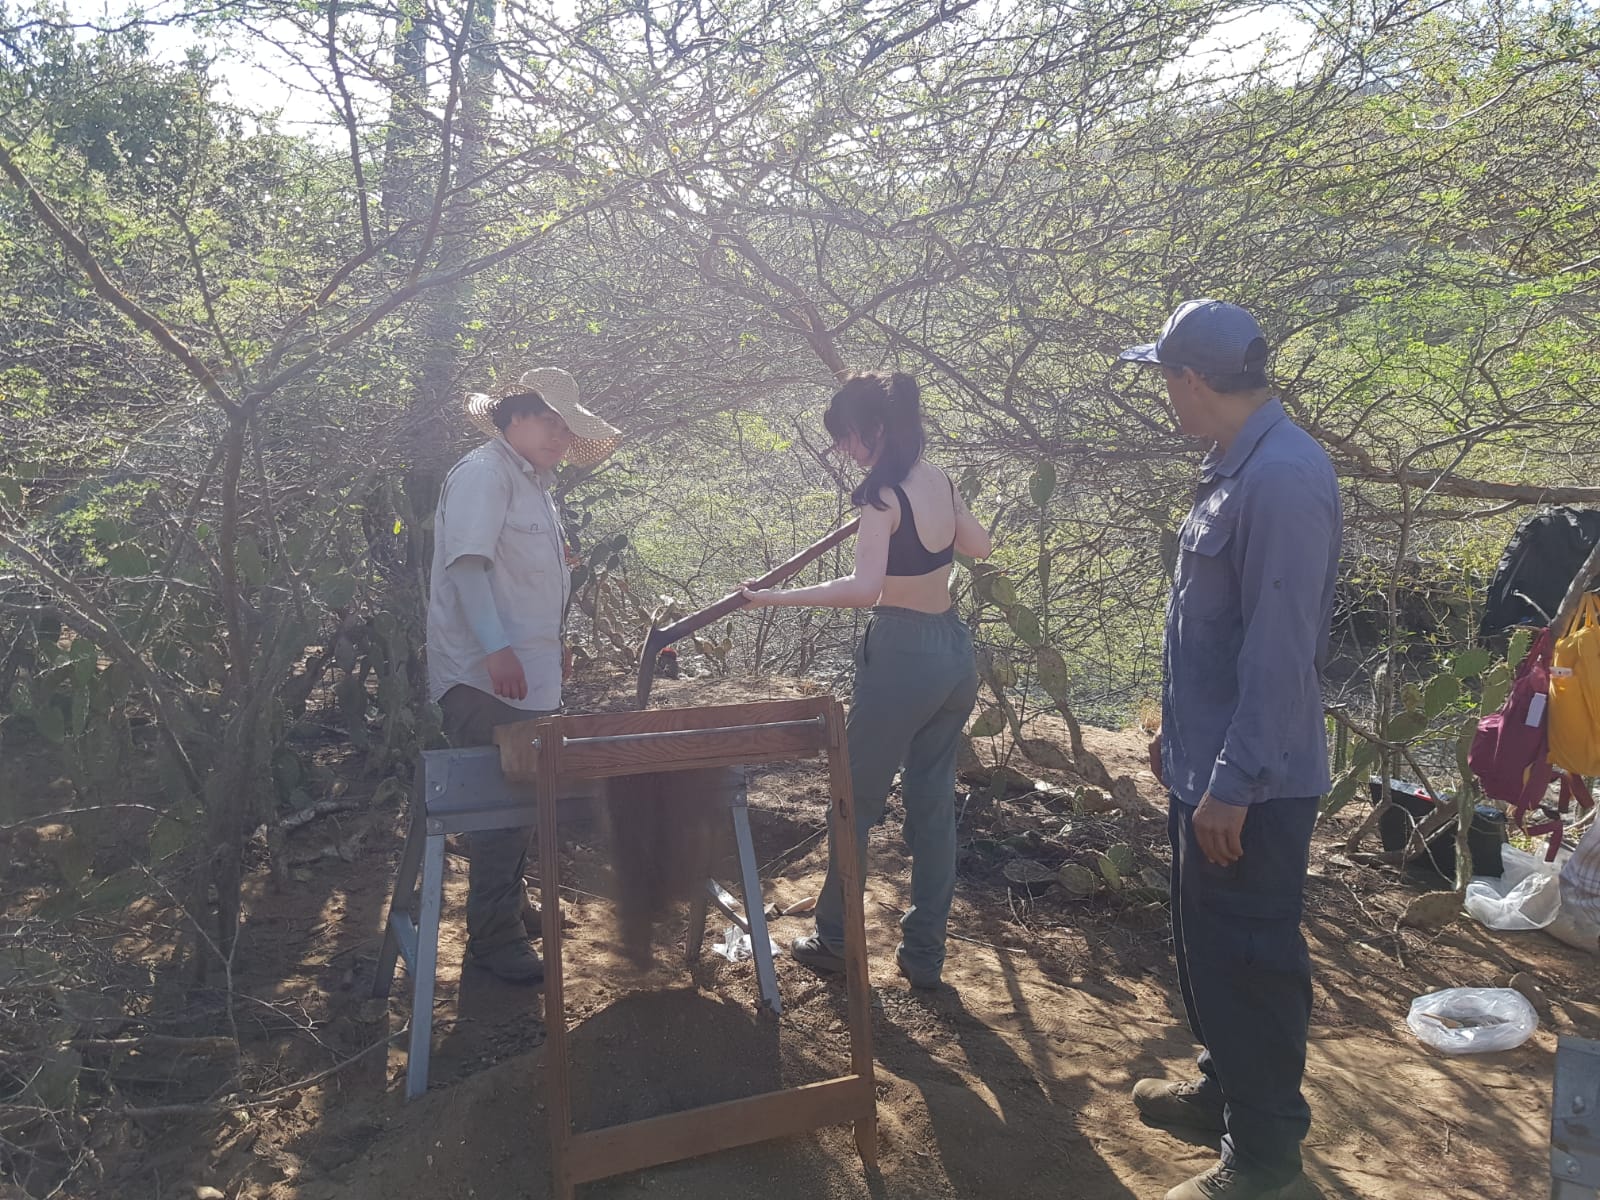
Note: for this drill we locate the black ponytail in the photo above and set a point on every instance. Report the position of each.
(885, 412)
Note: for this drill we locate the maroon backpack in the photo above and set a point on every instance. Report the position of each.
(1510, 753)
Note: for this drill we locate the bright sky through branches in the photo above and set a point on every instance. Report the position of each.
(283, 70)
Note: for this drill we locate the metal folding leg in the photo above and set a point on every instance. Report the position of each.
(753, 920)
(427, 965)
(1574, 1140)
(458, 791)
(400, 929)
(755, 907)
(696, 936)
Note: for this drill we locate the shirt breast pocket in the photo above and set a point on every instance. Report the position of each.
(1207, 588)
(528, 540)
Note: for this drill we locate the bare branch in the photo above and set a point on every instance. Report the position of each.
(146, 321)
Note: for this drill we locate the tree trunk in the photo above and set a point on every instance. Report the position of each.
(442, 322)
(402, 175)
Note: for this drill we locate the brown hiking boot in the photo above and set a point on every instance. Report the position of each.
(1228, 1183)
(1192, 1103)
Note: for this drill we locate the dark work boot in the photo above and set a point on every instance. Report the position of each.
(512, 962)
(1192, 1103)
(927, 981)
(813, 952)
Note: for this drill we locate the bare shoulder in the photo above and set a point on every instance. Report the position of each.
(889, 514)
(929, 484)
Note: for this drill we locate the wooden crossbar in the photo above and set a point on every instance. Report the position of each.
(709, 716)
(608, 756)
(602, 1153)
(553, 752)
(605, 745)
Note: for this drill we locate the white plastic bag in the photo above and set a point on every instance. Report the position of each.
(1533, 895)
(736, 945)
(1527, 896)
(1473, 1020)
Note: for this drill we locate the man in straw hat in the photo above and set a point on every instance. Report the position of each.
(497, 596)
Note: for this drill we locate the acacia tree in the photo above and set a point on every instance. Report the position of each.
(1416, 253)
(213, 577)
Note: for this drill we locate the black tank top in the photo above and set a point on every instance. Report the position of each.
(907, 554)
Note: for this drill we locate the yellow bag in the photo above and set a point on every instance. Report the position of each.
(1575, 692)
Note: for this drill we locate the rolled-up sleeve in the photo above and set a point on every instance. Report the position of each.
(1283, 544)
(472, 511)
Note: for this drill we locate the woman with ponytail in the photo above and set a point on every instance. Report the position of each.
(916, 680)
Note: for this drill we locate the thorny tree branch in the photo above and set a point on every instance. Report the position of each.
(146, 321)
(86, 619)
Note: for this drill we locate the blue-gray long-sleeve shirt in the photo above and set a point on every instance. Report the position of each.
(1248, 620)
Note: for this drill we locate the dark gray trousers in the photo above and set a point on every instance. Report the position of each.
(1245, 974)
(496, 894)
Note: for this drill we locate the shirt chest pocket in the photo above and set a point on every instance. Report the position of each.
(1207, 584)
(528, 540)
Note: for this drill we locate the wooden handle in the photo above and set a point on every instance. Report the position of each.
(735, 600)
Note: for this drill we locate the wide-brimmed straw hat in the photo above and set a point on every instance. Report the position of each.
(593, 438)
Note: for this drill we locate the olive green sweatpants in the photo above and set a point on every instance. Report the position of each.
(916, 684)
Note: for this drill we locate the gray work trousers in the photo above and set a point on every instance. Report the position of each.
(915, 686)
(496, 894)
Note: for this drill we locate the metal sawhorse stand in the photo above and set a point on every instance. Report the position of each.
(461, 791)
(1574, 1132)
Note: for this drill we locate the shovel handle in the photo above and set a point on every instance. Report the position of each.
(735, 600)
(657, 639)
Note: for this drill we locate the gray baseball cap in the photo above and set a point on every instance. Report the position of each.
(1212, 336)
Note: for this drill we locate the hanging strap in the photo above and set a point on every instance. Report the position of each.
(1586, 615)
(1573, 788)
(1576, 787)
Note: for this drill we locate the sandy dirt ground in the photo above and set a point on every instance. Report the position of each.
(1011, 1082)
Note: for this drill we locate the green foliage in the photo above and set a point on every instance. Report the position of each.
(1025, 623)
(1078, 880)
(990, 722)
(1442, 691)
(1114, 873)
(1441, 710)
(1517, 649)
(1042, 483)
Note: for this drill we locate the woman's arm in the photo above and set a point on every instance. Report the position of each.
(972, 539)
(859, 589)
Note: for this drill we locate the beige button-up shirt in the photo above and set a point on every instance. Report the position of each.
(497, 505)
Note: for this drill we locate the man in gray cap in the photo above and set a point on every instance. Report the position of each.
(1242, 748)
(497, 596)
